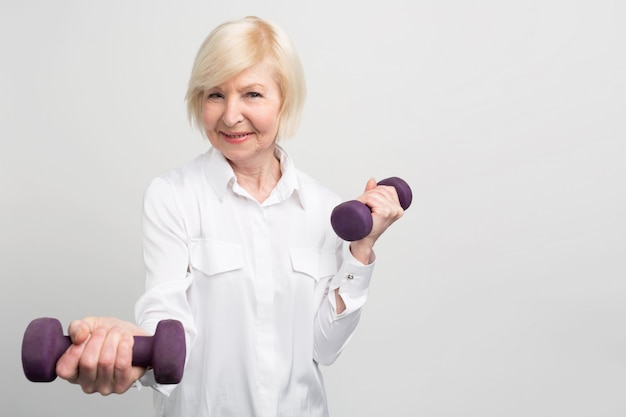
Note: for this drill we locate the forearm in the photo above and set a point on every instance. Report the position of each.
(340, 306)
(332, 332)
(339, 312)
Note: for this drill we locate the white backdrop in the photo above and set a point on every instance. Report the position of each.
(500, 293)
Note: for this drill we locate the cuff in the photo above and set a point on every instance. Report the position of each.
(353, 280)
(147, 380)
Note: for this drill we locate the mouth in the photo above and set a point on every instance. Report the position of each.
(235, 137)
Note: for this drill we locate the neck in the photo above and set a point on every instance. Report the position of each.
(259, 179)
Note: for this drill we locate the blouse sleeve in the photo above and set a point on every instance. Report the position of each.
(332, 330)
(166, 259)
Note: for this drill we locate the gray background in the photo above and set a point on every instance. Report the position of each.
(500, 293)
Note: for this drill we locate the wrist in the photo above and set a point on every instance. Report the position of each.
(363, 251)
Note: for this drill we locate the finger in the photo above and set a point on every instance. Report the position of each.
(68, 364)
(88, 366)
(369, 187)
(106, 362)
(124, 376)
(385, 204)
(80, 330)
(390, 193)
(382, 195)
(371, 184)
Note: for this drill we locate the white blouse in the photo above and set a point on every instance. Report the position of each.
(253, 284)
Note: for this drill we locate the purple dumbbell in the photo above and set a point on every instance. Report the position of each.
(352, 220)
(44, 343)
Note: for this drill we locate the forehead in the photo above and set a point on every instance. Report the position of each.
(261, 74)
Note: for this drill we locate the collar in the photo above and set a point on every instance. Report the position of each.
(221, 176)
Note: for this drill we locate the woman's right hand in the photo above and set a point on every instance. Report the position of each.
(100, 357)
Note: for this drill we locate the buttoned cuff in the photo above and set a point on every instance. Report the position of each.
(353, 280)
(148, 380)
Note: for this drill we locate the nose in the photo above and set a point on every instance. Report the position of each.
(232, 112)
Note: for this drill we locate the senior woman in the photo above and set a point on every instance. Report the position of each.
(238, 247)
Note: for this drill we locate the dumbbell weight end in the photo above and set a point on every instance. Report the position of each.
(39, 359)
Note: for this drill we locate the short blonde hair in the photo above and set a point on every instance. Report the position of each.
(237, 45)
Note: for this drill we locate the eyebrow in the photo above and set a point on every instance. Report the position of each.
(246, 87)
(252, 86)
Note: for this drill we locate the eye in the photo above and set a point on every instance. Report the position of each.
(253, 94)
(214, 95)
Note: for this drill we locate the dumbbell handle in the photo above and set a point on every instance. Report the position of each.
(352, 220)
(142, 350)
(44, 343)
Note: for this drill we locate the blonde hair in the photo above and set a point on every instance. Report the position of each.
(237, 45)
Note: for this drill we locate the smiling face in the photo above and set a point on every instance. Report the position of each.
(241, 116)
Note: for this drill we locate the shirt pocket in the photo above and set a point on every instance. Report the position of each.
(213, 256)
(313, 263)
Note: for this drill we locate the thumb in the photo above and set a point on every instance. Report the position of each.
(371, 184)
(80, 330)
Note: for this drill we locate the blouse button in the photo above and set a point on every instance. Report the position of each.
(350, 276)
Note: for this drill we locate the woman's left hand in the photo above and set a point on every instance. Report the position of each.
(385, 207)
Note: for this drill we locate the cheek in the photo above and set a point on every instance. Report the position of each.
(268, 121)
(206, 121)
(208, 116)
